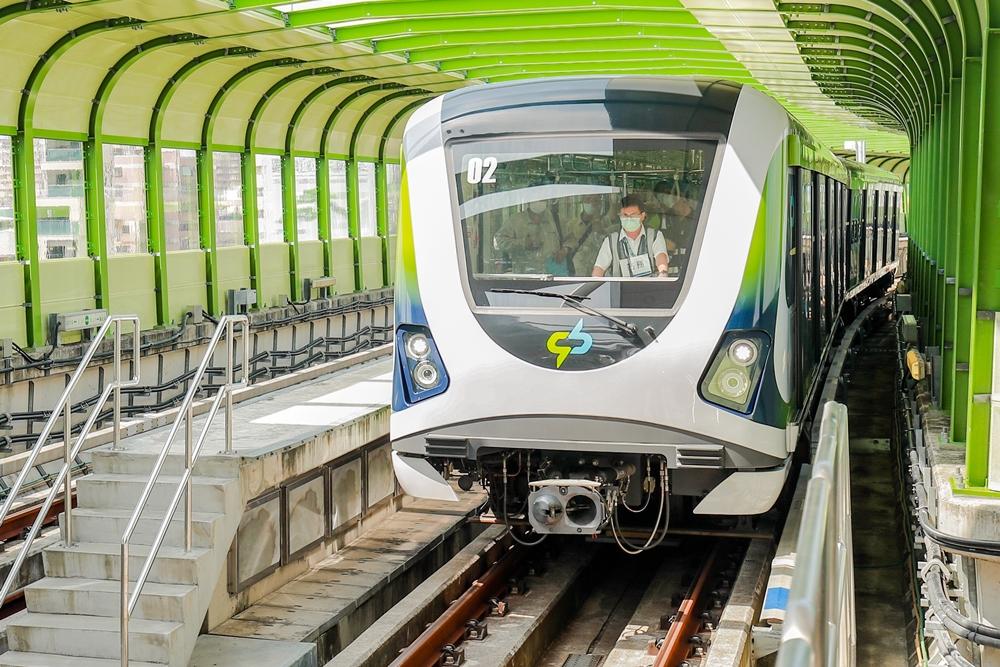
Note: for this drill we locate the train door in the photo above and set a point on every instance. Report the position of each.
(894, 236)
(841, 243)
(793, 285)
(858, 200)
(819, 252)
(829, 256)
(808, 338)
(879, 229)
(870, 223)
(886, 253)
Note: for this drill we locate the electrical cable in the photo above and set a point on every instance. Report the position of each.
(625, 486)
(951, 617)
(623, 542)
(506, 517)
(949, 651)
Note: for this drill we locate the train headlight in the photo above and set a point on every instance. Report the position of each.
(418, 346)
(734, 383)
(743, 352)
(731, 380)
(426, 375)
(420, 372)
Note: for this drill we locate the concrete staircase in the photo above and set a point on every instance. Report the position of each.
(72, 615)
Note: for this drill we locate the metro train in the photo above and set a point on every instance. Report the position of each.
(614, 296)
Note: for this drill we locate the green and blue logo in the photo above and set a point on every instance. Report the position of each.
(558, 343)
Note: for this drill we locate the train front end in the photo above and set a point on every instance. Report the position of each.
(591, 317)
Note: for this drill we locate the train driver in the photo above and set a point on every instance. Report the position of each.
(633, 250)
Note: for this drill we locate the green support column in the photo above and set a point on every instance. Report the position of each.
(971, 157)
(941, 222)
(250, 228)
(156, 227)
(987, 275)
(26, 214)
(206, 227)
(353, 217)
(950, 244)
(919, 258)
(323, 211)
(26, 232)
(936, 227)
(290, 220)
(97, 231)
(382, 216)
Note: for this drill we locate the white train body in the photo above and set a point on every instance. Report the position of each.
(502, 393)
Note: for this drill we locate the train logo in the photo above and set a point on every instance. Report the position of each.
(557, 343)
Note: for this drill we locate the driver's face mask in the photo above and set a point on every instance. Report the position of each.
(631, 223)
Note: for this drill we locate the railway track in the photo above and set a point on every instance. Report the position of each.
(574, 604)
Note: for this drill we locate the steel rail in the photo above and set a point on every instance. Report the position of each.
(192, 451)
(677, 646)
(425, 651)
(62, 410)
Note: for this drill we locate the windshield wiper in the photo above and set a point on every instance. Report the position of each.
(644, 336)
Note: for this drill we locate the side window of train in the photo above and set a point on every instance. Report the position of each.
(820, 253)
(792, 238)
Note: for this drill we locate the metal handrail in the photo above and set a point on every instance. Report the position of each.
(63, 409)
(185, 415)
(819, 626)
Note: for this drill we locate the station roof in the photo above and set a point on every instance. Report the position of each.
(286, 75)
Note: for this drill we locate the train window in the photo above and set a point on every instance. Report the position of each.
(392, 183)
(227, 180)
(270, 219)
(8, 239)
(180, 199)
(367, 213)
(306, 212)
(125, 199)
(59, 199)
(546, 211)
(338, 199)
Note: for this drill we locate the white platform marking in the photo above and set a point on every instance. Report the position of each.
(362, 393)
(314, 415)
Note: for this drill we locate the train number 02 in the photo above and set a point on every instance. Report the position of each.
(480, 170)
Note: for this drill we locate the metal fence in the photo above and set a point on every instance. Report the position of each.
(819, 626)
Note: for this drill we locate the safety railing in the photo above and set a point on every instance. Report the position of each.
(192, 450)
(63, 410)
(819, 626)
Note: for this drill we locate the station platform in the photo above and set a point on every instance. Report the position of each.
(332, 603)
(310, 471)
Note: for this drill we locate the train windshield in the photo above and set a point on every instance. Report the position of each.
(613, 219)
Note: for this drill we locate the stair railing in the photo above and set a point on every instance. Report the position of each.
(63, 409)
(192, 450)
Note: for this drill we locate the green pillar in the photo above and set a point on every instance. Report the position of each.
(354, 217)
(950, 242)
(97, 230)
(323, 211)
(986, 287)
(206, 227)
(156, 228)
(915, 259)
(969, 166)
(290, 220)
(936, 226)
(250, 229)
(382, 215)
(26, 232)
